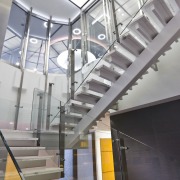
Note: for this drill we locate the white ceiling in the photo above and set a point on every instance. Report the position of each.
(60, 10)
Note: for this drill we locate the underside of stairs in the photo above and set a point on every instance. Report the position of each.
(148, 38)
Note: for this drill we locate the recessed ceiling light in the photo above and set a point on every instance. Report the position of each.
(17, 63)
(79, 3)
(101, 36)
(122, 14)
(76, 31)
(33, 41)
(45, 25)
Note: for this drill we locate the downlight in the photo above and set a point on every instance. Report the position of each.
(76, 31)
(45, 25)
(33, 41)
(101, 36)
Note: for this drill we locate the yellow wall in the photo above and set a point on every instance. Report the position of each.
(11, 172)
(107, 159)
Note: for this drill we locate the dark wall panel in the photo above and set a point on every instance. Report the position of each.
(153, 137)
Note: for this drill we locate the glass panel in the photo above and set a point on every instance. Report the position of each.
(45, 123)
(7, 114)
(12, 45)
(36, 46)
(8, 170)
(126, 12)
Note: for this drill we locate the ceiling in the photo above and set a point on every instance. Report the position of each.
(60, 10)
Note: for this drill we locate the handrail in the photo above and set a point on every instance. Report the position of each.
(103, 55)
(12, 156)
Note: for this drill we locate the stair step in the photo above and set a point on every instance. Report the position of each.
(32, 161)
(19, 142)
(132, 45)
(78, 108)
(42, 173)
(16, 133)
(97, 86)
(158, 12)
(118, 59)
(107, 73)
(26, 151)
(143, 28)
(87, 97)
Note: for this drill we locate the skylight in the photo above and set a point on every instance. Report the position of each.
(79, 3)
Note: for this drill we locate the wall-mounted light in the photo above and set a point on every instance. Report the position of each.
(17, 64)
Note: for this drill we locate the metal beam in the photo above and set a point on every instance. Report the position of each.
(5, 7)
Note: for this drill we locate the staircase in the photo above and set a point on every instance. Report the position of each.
(34, 161)
(148, 38)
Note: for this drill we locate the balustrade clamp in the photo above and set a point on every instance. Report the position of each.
(18, 106)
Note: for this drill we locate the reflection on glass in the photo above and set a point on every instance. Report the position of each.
(11, 52)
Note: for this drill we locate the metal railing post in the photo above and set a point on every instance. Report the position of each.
(22, 65)
(49, 106)
(47, 52)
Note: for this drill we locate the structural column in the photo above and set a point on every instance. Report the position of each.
(22, 65)
(5, 7)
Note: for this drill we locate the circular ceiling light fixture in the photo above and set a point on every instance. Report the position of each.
(101, 36)
(33, 41)
(45, 25)
(76, 31)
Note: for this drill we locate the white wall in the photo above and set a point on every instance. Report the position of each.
(156, 86)
(9, 83)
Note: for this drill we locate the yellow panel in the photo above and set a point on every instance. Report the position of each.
(108, 176)
(107, 161)
(106, 145)
(11, 171)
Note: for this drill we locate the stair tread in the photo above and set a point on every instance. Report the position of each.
(107, 69)
(27, 148)
(98, 82)
(88, 94)
(25, 158)
(81, 106)
(43, 170)
(19, 139)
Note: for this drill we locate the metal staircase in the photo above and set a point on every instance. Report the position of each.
(148, 38)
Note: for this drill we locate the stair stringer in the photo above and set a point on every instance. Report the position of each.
(154, 50)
